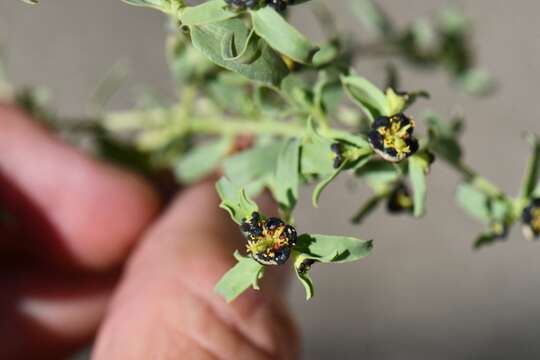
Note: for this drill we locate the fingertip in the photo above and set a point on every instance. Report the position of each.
(80, 211)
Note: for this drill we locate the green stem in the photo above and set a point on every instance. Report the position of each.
(478, 181)
(216, 126)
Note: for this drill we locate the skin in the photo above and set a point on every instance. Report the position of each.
(87, 252)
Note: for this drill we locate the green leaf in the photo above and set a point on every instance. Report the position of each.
(476, 82)
(254, 164)
(316, 155)
(367, 208)
(245, 274)
(304, 278)
(418, 168)
(287, 177)
(531, 175)
(326, 55)
(281, 36)
(474, 202)
(379, 174)
(268, 68)
(536, 191)
(209, 12)
(161, 5)
(202, 160)
(373, 18)
(333, 249)
(485, 239)
(346, 136)
(245, 54)
(234, 200)
(443, 139)
(324, 183)
(394, 103)
(370, 99)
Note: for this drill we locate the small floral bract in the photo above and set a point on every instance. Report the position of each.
(392, 137)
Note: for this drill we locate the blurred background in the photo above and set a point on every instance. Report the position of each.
(424, 293)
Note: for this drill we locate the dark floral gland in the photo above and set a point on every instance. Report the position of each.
(269, 241)
(244, 4)
(392, 137)
(531, 220)
(238, 5)
(279, 5)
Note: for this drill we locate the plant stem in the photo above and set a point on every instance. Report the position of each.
(217, 126)
(478, 181)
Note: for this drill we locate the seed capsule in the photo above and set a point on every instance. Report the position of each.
(269, 241)
(337, 149)
(305, 266)
(392, 137)
(400, 200)
(531, 220)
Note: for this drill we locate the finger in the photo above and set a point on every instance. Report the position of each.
(49, 315)
(75, 209)
(190, 248)
(148, 322)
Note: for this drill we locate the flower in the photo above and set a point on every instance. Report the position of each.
(392, 137)
(269, 240)
(531, 219)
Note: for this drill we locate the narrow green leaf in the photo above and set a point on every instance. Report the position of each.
(367, 208)
(234, 200)
(304, 278)
(254, 164)
(324, 183)
(209, 12)
(316, 155)
(484, 239)
(245, 274)
(161, 5)
(379, 174)
(370, 99)
(202, 160)
(531, 175)
(245, 54)
(418, 168)
(394, 103)
(373, 18)
(281, 36)
(333, 249)
(536, 191)
(287, 177)
(328, 53)
(268, 68)
(474, 202)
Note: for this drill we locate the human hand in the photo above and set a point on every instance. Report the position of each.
(71, 223)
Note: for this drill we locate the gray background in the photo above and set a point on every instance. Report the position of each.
(424, 294)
